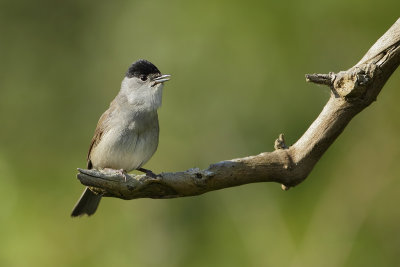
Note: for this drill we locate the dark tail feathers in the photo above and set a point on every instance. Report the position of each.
(87, 204)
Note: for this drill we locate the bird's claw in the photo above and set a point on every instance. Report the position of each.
(123, 173)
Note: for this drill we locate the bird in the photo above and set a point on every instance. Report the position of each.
(127, 133)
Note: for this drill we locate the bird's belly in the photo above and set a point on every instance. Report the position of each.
(127, 149)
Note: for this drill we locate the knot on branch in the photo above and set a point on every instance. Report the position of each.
(280, 143)
(349, 85)
(353, 83)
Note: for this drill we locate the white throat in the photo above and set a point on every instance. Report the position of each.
(142, 96)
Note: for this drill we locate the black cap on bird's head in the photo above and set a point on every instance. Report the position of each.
(141, 68)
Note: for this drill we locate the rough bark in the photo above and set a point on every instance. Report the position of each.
(351, 92)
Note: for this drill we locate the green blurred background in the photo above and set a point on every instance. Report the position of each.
(238, 81)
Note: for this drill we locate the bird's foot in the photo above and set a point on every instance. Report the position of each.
(148, 172)
(123, 173)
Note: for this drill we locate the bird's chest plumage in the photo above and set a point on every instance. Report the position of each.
(128, 144)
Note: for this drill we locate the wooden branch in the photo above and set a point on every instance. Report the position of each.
(352, 91)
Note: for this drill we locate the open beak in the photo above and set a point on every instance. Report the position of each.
(161, 79)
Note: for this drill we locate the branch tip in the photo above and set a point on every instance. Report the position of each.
(284, 187)
(325, 79)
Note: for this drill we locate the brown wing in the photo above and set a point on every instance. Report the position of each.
(98, 133)
(95, 140)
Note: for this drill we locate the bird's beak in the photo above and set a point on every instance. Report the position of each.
(161, 79)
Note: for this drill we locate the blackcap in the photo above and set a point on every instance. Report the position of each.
(126, 135)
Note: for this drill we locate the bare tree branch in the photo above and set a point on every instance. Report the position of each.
(352, 91)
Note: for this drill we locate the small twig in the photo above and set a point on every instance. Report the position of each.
(325, 79)
(280, 143)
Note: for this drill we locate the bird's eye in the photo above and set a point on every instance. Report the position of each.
(143, 78)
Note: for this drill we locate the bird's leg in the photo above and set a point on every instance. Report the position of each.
(148, 172)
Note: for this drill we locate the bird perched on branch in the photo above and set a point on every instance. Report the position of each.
(126, 135)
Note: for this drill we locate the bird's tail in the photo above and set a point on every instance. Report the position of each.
(87, 204)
